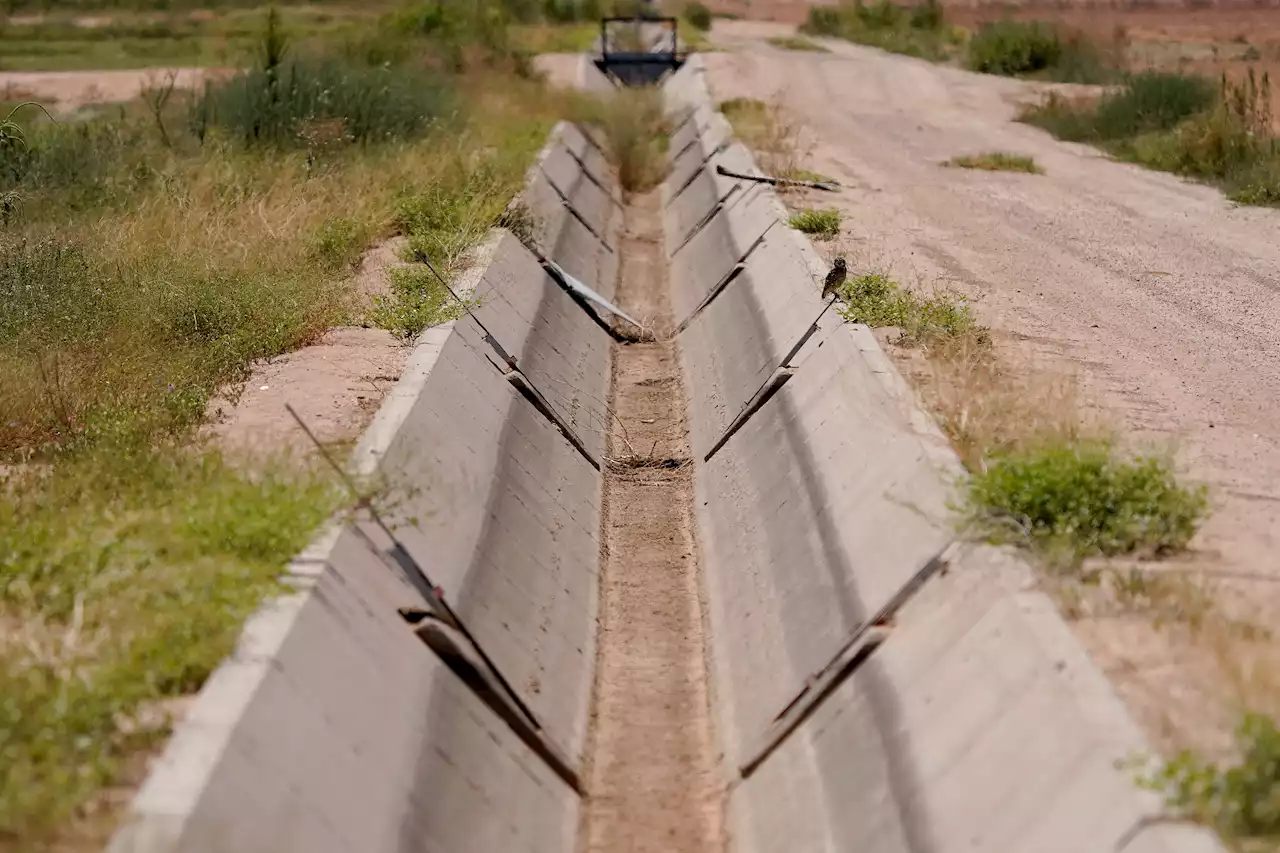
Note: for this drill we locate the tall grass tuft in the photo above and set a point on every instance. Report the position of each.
(920, 30)
(276, 105)
(1035, 48)
(634, 126)
(1184, 124)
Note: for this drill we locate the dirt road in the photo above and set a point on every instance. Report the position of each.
(1162, 296)
(67, 91)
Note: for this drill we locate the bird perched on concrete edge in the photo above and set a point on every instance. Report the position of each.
(835, 278)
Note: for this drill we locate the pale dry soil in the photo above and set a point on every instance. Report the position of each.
(653, 784)
(1158, 295)
(65, 92)
(336, 385)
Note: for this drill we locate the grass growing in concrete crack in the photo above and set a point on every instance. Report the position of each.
(997, 161)
(819, 224)
(1071, 501)
(417, 301)
(1241, 799)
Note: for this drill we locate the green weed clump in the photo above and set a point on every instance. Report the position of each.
(1075, 500)
(1241, 800)
(819, 224)
(797, 43)
(1183, 124)
(418, 301)
(635, 129)
(939, 320)
(919, 30)
(283, 104)
(997, 162)
(1036, 49)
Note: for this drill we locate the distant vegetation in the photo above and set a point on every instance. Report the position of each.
(1181, 123)
(1037, 49)
(1010, 48)
(697, 15)
(912, 30)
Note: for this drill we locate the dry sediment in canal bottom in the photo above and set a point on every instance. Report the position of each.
(653, 784)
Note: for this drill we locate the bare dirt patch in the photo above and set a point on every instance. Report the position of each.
(336, 385)
(69, 91)
(653, 781)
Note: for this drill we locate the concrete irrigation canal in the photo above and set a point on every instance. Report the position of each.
(702, 588)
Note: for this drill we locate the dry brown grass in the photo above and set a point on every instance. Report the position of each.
(985, 405)
(777, 136)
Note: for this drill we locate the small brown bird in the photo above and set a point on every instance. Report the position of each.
(835, 278)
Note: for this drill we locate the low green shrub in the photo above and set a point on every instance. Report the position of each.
(1240, 799)
(1076, 500)
(281, 105)
(418, 301)
(697, 15)
(1181, 123)
(1152, 101)
(1035, 48)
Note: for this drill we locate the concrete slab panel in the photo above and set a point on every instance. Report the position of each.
(338, 730)
(686, 166)
(692, 122)
(561, 169)
(571, 137)
(546, 209)
(810, 518)
(979, 725)
(736, 343)
(584, 257)
(592, 156)
(594, 205)
(691, 207)
(698, 266)
(562, 351)
(505, 514)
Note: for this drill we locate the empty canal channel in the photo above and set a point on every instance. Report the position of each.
(653, 784)
(703, 590)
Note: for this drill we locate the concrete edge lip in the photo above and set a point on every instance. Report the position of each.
(174, 783)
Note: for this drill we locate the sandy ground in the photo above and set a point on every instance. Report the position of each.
(653, 783)
(1161, 296)
(336, 385)
(70, 90)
